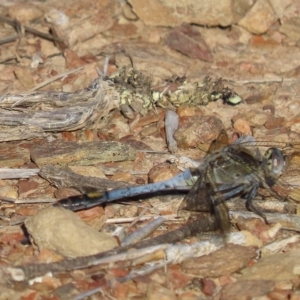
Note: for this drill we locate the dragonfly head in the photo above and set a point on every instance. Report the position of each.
(275, 160)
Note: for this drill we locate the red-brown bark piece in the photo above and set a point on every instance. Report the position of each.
(189, 41)
(224, 261)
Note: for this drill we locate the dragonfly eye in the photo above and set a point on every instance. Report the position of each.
(275, 160)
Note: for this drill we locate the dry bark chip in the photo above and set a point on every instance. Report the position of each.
(101, 21)
(13, 156)
(277, 267)
(63, 177)
(247, 289)
(22, 132)
(70, 153)
(224, 261)
(189, 41)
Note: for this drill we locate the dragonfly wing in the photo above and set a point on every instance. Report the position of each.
(197, 198)
(218, 204)
(219, 143)
(203, 198)
(221, 213)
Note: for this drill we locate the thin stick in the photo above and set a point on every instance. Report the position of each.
(9, 39)
(7, 173)
(56, 77)
(143, 218)
(31, 30)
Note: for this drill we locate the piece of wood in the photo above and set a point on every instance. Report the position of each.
(71, 153)
(63, 177)
(7, 173)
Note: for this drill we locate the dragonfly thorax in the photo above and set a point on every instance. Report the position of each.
(227, 171)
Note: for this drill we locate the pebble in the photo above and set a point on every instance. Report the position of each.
(242, 127)
(25, 12)
(9, 192)
(62, 231)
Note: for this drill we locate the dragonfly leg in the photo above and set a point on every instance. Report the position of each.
(249, 205)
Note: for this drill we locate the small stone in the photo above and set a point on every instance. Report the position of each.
(25, 77)
(279, 6)
(274, 122)
(262, 42)
(208, 287)
(259, 18)
(68, 136)
(254, 227)
(25, 12)
(156, 291)
(11, 235)
(127, 11)
(253, 117)
(56, 17)
(186, 110)
(197, 130)
(291, 28)
(128, 211)
(173, 13)
(253, 99)
(242, 127)
(148, 131)
(162, 172)
(62, 231)
(9, 192)
(122, 176)
(94, 217)
(295, 127)
(269, 108)
(177, 278)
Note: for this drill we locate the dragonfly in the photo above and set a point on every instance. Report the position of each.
(227, 171)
